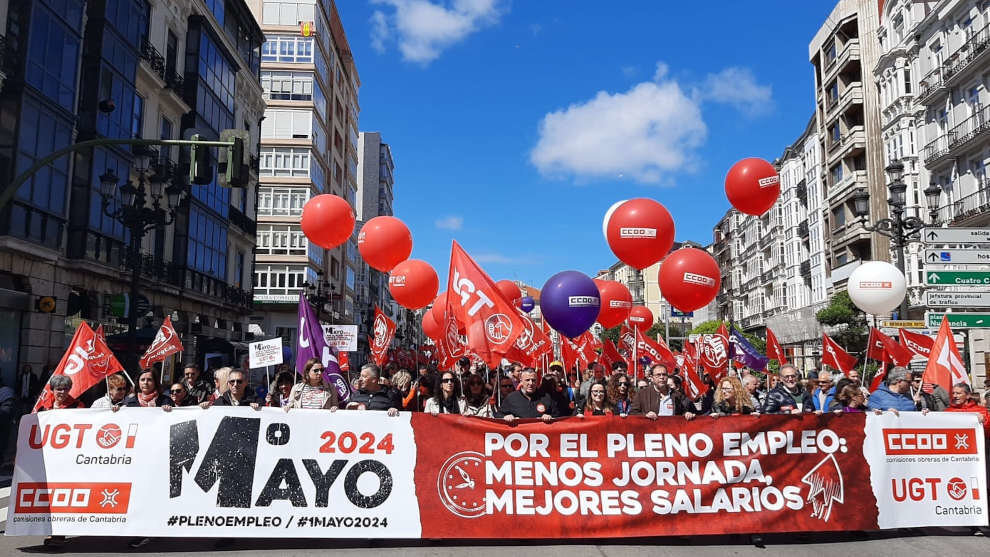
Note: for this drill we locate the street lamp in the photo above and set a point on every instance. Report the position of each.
(320, 294)
(900, 229)
(128, 206)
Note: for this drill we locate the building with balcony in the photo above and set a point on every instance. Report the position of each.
(120, 70)
(310, 90)
(848, 128)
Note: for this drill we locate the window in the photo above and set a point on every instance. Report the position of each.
(171, 52)
(287, 86)
(281, 280)
(830, 53)
(285, 161)
(287, 124)
(41, 133)
(281, 239)
(836, 173)
(217, 8)
(166, 133)
(836, 137)
(907, 80)
(207, 248)
(215, 95)
(833, 92)
(239, 269)
(277, 201)
(288, 12)
(53, 54)
(137, 117)
(838, 217)
(287, 48)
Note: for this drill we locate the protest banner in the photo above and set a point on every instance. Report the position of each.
(237, 472)
(265, 353)
(341, 337)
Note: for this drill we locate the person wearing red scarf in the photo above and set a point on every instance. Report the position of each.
(148, 393)
(61, 386)
(962, 401)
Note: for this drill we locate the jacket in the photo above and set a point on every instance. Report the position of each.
(162, 400)
(484, 410)
(518, 405)
(382, 399)
(328, 396)
(974, 407)
(884, 399)
(247, 400)
(829, 397)
(433, 406)
(782, 401)
(199, 391)
(648, 400)
(725, 408)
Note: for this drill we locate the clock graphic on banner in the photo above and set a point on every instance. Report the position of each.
(460, 484)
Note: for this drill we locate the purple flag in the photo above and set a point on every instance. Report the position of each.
(312, 344)
(744, 352)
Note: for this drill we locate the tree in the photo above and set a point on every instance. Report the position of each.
(846, 322)
(612, 334)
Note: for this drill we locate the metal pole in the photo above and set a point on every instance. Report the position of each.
(899, 241)
(137, 234)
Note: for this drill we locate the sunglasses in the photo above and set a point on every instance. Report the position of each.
(312, 369)
(623, 384)
(505, 386)
(178, 390)
(788, 377)
(446, 380)
(235, 381)
(597, 392)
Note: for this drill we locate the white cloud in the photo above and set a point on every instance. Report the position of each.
(449, 223)
(379, 31)
(647, 133)
(738, 88)
(424, 29)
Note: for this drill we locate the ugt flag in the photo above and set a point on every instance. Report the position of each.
(87, 361)
(165, 344)
(312, 344)
(384, 330)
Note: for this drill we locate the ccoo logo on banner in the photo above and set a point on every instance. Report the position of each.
(230, 472)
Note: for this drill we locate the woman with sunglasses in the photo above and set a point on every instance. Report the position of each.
(148, 393)
(180, 396)
(618, 393)
(312, 392)
(597, 403)
(476, 399)
(447, 396)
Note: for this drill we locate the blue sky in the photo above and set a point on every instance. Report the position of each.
(515, 125)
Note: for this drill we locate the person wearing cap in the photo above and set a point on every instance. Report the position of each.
(894, 395)
(527, 402)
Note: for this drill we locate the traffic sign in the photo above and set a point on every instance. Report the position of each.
(955, 235)
(902, 324)
(943, 299)
(957, 278)
(678, 313)
(951, 256)
(958, 320)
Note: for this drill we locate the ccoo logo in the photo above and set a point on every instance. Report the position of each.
(637, 232)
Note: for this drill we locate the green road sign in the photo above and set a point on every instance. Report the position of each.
(957, 278)
(958, 320)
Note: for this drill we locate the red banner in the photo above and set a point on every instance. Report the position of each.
(945, 364)
(608, 477)
(384, 330)
(166, 343)
(917, 343)
(87, 361)
(833, 355)
(774, 351)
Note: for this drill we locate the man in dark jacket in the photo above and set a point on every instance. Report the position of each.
(564, 398)
(371, 395)
(658, 400)
(238, 393)
(526, 402)
(788, 397)
(198, 388)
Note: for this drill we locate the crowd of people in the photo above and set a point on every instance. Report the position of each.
(513, 392)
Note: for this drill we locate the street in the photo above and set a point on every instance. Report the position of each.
(956, 541)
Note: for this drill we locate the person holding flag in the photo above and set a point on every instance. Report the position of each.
(86, 362)
(61, 387)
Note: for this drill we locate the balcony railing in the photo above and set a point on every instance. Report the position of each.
(240, 220)
(155, 60)
(970, 128)
(973, 204)
(972, 49)
(802, 229)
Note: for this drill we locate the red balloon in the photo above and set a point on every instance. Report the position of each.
(640, 232)
(616, 302)
(413, 283)
(510, 291)
(752, 186)
(327, 220)
(439, 306)
(430, 326)
(640, 317)
(689, 279)
(384, 242)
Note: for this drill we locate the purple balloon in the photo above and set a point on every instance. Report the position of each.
(527, 304)
(570, 302)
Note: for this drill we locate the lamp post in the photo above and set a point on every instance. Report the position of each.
(900, 229)
(130, 209)
(320, 294)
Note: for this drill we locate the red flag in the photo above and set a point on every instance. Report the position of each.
(656, 350)
(693, 385)
(531, 345)
(774, 351)
(568, 353)
(833, 355)
(610, 355)
(165, 344)
(890, 351)
(87, 361)
(917, 343)
(100, 333)
(714, 353)
(879, 377)
(492, 322)
(945, 364)
(874, 346)
(384, 330)
(586, 344)
(344, 361)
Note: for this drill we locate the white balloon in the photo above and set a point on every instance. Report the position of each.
(608, 215)
(876, 287)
